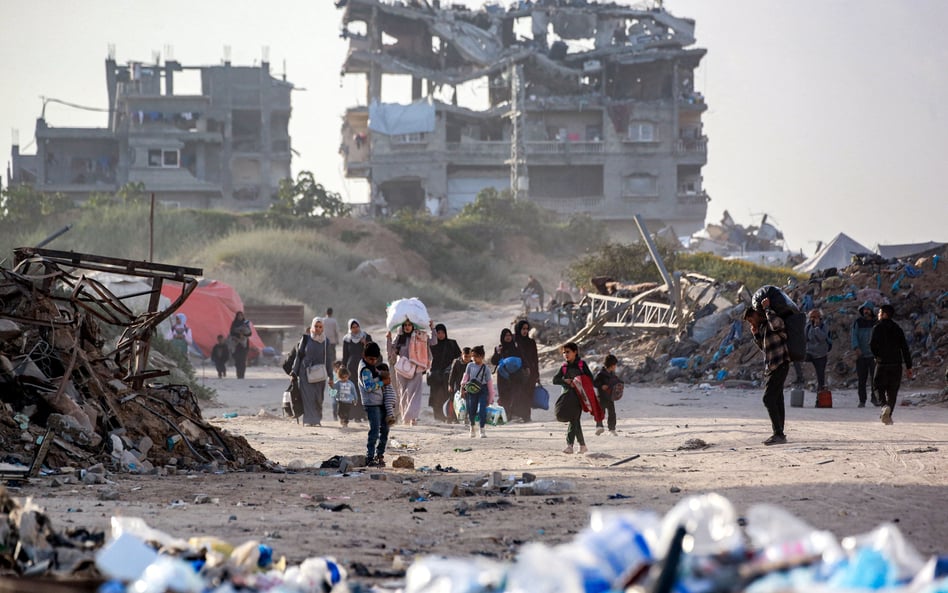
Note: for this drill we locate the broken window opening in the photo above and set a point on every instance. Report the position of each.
(641, 185)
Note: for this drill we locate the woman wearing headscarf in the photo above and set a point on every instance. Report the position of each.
(508, 388)
(443, 355)
(530, 371)
(180, 334)
(314, 351)
(410, 342)
(240, 332)
(353, 346)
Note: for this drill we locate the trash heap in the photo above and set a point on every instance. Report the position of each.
(719, 347)
(701, 544)
(62, 380)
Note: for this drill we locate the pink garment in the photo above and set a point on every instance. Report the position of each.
(418, 351)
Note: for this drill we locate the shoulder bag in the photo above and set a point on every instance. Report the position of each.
(317, 373)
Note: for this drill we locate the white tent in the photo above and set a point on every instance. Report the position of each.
(838, 253)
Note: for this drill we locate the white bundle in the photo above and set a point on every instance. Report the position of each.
(407, 309)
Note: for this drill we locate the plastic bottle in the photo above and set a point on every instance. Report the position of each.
(548, 486)
(315, 575)
(168, 574)
(434, 574)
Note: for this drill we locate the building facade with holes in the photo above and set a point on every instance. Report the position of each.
(224, 147)
(585, 108)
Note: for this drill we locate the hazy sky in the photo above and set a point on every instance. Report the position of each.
(830, 116)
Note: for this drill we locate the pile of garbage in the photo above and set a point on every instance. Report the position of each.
(701, 544)
(70, 396)
(718, 346)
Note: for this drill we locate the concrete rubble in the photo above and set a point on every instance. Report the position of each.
(75, 370)
(716, 347)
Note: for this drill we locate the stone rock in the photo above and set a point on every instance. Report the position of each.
(109, 494)
(404, 462)
(91, 478)
(202, 499)
(444, 489)
(144, 446)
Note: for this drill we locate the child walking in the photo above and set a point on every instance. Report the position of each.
(345, 394)
(569, 374)
(454, 382)
(219, 354)
(607, 385)
(478, 389)
(378, 408)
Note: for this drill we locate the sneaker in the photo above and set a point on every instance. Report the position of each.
(380, 461)
(473, 431)
(886, 415)
(583, 449)
(483, 434)
(370, 461)
(600, 429)
(861, 405)
(613, 433)
(777, 439)
(568, 450)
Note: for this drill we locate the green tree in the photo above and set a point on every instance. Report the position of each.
(23, 205)
(305, 197)
(499, 208)
(130, 193)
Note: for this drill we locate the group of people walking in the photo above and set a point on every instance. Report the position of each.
(386, 394)
(235, 346)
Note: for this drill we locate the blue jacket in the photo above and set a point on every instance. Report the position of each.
(861, 332)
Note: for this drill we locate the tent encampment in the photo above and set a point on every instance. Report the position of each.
(210, 310)
(838, 253)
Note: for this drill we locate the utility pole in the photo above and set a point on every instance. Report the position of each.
(519, 180)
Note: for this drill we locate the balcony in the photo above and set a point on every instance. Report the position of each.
(569, 147)
(692, 204)
(692, 146)
(491, 148)
(575, 205)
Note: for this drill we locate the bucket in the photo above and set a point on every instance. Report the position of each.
(796, 398)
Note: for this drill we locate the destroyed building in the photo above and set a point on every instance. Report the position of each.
(225, 147)
(587, 108)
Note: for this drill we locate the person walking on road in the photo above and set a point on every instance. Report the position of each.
(859, 335)
(770, 335)
(891, 350)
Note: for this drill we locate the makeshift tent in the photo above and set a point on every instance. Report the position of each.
(210, 310)
(838, 253)
(907, 249)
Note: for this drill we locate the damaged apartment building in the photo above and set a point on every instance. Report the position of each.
(226, 147)
(581, 108)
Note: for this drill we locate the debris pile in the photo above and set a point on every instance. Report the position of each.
(718, 346)
(72, 396)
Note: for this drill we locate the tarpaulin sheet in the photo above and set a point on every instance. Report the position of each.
(210, 310)
(395, 118)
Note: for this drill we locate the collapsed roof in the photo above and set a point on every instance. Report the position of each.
(557, 44)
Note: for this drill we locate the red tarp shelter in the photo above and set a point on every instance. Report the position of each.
(210, 310)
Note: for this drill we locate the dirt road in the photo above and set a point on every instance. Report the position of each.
(841, 470)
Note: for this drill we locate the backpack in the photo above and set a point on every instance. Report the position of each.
(509, 366)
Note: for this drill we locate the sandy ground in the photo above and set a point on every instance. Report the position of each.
(841, 470)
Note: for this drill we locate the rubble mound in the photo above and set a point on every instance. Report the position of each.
(71, 396)
(718, 348)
